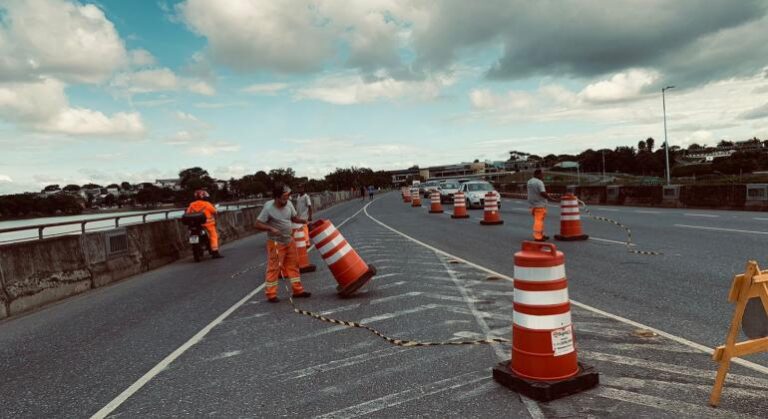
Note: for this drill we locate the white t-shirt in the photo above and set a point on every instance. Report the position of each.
(302, 206)
(279, 218)
(535, 188)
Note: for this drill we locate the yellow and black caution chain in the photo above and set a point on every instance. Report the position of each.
(625, 227)
(396, 342)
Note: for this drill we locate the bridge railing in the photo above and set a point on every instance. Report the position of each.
(114, 221)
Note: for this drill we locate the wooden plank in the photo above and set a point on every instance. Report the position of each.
(750, 347)
(733, 294)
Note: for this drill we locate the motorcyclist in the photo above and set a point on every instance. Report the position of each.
(202, 204)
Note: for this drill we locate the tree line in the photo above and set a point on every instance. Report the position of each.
(73, 199)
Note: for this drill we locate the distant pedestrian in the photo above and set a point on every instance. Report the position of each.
(362, 193)
(537, 198)
(371, 190)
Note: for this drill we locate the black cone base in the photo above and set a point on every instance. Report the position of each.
(460, 216)
(353, 287)
(491, 223)
(571, 238)
(435, 212)
(545, 391)
(308, 268)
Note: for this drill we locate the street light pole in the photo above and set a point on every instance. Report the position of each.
(666, 144)
(603, 165)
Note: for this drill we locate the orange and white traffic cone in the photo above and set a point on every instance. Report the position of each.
(300, 237)
(349, 269)
(544, 363)
(570, 220)
(415, 197)
(459, 206)
(406, 195)
(491, 215)
(436, 207)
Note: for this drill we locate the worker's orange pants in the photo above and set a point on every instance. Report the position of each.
(538, 222)
(213, 235)
(282, 259)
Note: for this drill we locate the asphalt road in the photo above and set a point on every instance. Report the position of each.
(198, 339)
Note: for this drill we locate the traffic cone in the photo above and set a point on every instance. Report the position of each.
(415, 197)
(350, 271)
(544, 363)
(300, 237)
(570, 220)
(491, 216)
(406, 195)
(436, 206)
(459, 206)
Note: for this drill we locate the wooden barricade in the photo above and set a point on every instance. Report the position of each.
(752, 284)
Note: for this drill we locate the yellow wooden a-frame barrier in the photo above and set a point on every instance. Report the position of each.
(752, 284)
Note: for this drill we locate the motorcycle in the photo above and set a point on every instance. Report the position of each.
(198, 236)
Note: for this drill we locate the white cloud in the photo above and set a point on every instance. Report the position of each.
(265, 88)
(182, 116)
(483, 99)
(620, 87)
(353, 89)
(43, 106)
(159, 80)
(70, 41)
(141, 58)
(5, 179)
(212, 148)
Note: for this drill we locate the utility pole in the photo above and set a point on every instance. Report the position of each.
(666, 144)
(603, 165)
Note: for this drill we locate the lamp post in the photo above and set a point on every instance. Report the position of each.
(666, 144)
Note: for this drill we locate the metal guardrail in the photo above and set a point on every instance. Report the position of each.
(41, 227)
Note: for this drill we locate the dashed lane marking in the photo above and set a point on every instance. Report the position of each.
(694, 214)
(730, 230)
(678, 339)
(647, 212)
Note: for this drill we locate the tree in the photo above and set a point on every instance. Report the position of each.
(149, 196)
(113, 185)
(91, 186)
(649, 144)
(725, 144)
(641, 146)
(51, 188)
(72, 188)
(126, 186)
(196, 178)
(285, 176)
(694, 147)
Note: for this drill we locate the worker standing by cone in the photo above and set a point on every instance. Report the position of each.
(304, 208)
(537, 198)
(277, 218)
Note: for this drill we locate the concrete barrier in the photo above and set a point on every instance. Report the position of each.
(35, 273)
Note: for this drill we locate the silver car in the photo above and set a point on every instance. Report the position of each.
(447, 189)
(475, 191)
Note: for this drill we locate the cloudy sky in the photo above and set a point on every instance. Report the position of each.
(112, 90)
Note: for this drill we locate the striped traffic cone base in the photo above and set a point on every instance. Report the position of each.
(308, 268)
(354, 286)
(545, 391)
(571, 238)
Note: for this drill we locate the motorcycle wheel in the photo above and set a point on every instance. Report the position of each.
(197, 252)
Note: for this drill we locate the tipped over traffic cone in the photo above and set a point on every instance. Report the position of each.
(570, 220)
(347, 267)
(459, 206)
(491, 215)
(300, 237)
(544, 363)
(436, 207)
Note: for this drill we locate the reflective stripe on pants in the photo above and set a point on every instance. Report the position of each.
(282, 258)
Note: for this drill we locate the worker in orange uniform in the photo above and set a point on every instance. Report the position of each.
(201, 204)
(277, 218)
(537, 199)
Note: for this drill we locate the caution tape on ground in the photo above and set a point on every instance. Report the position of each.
(398, 342)
(625, 227)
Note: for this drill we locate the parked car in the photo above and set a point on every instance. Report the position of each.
(447, 189)
(475, 191)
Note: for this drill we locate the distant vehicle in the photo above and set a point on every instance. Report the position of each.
(447, 189)
(428, 187)
(475, 191)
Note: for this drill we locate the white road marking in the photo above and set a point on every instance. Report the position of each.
(694, 214)
(675, 406)
(730, 230)
(610, 241)
(141, 382)
(341, 363)
(405, 396)
(606, 209)
(647, 212)
(760, 219)
(678, 339)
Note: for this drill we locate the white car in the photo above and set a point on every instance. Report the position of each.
(474, 192)
(447, 189)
